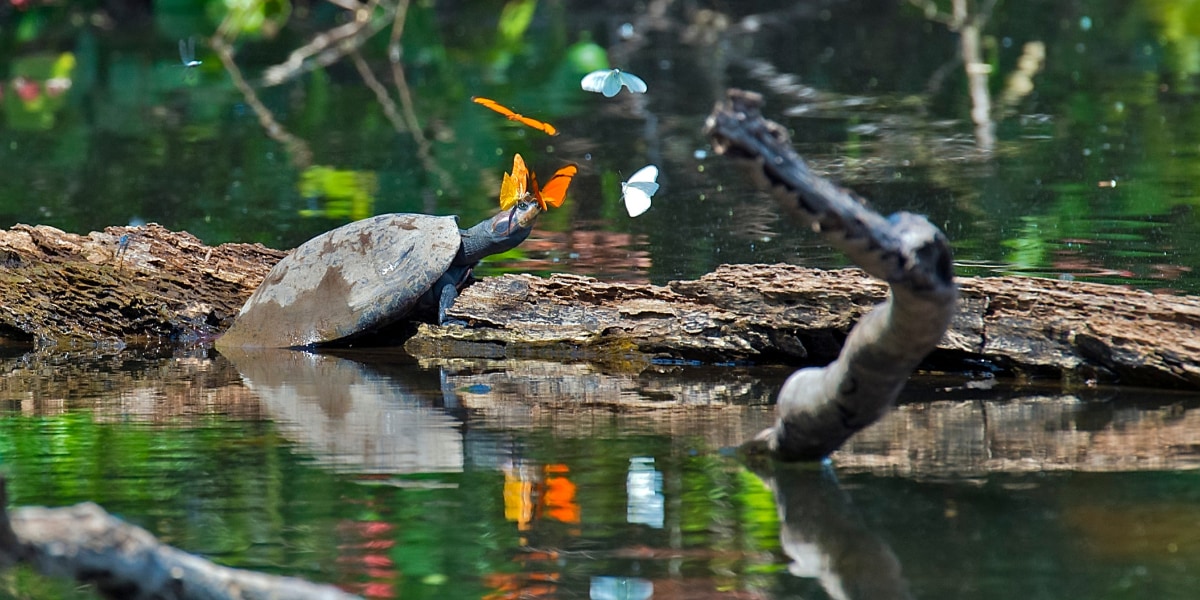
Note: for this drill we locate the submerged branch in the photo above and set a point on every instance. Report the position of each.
(85, 543)
(820, 408)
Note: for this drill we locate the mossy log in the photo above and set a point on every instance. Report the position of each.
(61, 290)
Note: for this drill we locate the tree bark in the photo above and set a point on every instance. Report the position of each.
(62, 291)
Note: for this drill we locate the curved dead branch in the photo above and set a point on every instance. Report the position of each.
(820, 408)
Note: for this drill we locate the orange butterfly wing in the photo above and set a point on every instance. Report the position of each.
(542, 126)
(512, 190)
(555, 191)
(512, 116)
(492, 104)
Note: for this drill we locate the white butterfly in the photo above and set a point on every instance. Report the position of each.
(638, 190)
(609, 82)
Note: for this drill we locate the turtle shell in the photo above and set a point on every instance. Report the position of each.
(353, 279)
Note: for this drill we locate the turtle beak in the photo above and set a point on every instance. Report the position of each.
(522, 216)
(512, 213)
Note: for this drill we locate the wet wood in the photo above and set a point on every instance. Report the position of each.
(123, 285)
(61, 290)
(87, 544)
(779, 313)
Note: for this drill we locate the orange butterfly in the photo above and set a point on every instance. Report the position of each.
(512, 189)
(556, 189)
(512, 116)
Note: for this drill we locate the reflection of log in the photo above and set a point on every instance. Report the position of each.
(71, 290)
(87, 544)
(1030, 433)
(941, 427)
(580, 400)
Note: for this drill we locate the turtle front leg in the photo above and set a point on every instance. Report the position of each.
(445, 299)
(445, 291)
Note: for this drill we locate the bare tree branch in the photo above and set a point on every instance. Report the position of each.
(820, 408)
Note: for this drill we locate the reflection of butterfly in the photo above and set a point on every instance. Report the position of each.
(512, 116)
(512, 189)
(187, 53)
(638, 190)
(556, 189)
(609, 82)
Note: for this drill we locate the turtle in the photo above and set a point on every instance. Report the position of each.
(369, 274)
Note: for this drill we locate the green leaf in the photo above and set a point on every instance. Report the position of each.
(515, 19)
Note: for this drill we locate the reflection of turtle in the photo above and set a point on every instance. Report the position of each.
(370, 273)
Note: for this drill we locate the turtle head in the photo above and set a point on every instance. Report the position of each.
(500, 233)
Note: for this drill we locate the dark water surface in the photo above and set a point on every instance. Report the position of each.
(1090, 175)
(508, 479)
(514, 479)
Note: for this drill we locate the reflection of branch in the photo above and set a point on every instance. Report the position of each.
(395, 53)
(123, 561)
(968, 26)
(297, 148)
(930, 8)
(826, 538)
(1020, 81)
(977, 75)
(329, 47)
(381, 95)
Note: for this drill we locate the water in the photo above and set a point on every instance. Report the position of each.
(487, 478)
(507, 478)
(1089, 178)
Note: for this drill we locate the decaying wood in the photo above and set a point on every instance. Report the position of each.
(87, 544)
(1018, 326)
(122, 285)
(66, 290)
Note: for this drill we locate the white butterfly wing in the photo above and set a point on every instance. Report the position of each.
(612, 83)
(637, 201)
(633, 82)
(594, 81)
(639, 189)
(646, 173)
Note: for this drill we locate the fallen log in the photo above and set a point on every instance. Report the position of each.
(85, 543)
(1008, 326)
(123, 285)
(62, 290)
